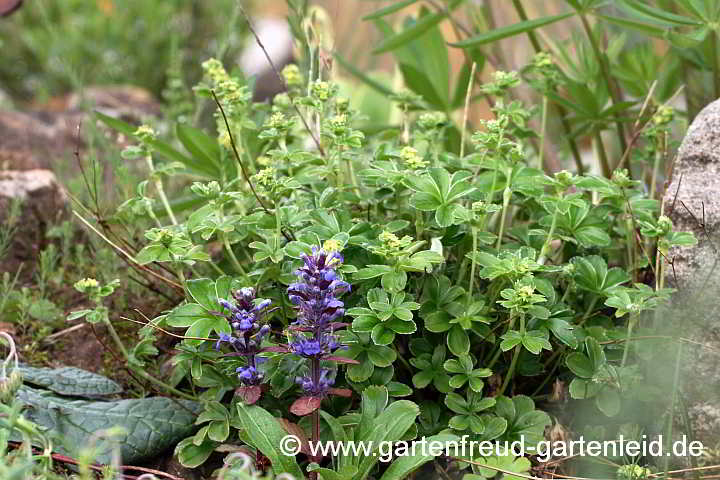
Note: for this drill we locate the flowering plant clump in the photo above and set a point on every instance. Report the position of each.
(485, 273)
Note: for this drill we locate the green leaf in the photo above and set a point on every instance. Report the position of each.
(580, 388)
(202, 290)
(421, 26)
(163, 148)
(445, 215)
(458, 341)
(509, 31)
(153, 424)
(371, 271)
(580, 365)
(200, 145)
(507, 463)
(388, 426)
(70, 381)
(381, 356)
(185, 315)
(394, 281)
(346, 472)
(659, 14)
(78, 314)
(361, 371)
(265, 433)
(191, 455)
(590, 236)
(381, 335)
(608, 401)
(403, 466)
(389, 9)
(647, 28)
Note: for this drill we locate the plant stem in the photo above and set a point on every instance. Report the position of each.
(513, 362)
(498, 352)
(233, 258)
(116, 339)
(161, 190)
(523, 16)
(465, 110)
(315, 372)
(715, 47)
(142, 373)
(589, 310)
(673, 398)
(626, 347)
(604, 164)
(602, 60)
(548, 240)
(543, 127)
(656, 166)
(562, 113)
(507, 193)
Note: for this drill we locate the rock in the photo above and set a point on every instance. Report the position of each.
(120, 101)
(692, 201)
(275, 35)
(32, 140)
(34, 143)
(43, 203)
(26, 142)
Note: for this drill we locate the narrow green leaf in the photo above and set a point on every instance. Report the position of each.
(510, 30)
(388, 10)
(406, 36)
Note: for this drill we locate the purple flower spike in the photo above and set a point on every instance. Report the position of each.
(315, 295)
(243, 316)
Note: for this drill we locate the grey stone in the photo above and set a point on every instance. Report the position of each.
(692, 201)
(694, 189)
(43, 203)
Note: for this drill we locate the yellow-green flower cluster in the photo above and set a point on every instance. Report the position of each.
(431, 121)
(392, 241)
(338, 124)
(224, 139)
(542, 60)
(86, 284)
(321, 91)
(293, 77)
(265, 177)
(215, 70)
(145, 133)
(227, 88)
(663, 115)
(632, 472)
(410, 157)
(502, 82)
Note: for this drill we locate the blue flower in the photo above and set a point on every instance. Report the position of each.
(244, 315)
(315, 347)
(224, 337)
(319, 387)
(248, 375)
